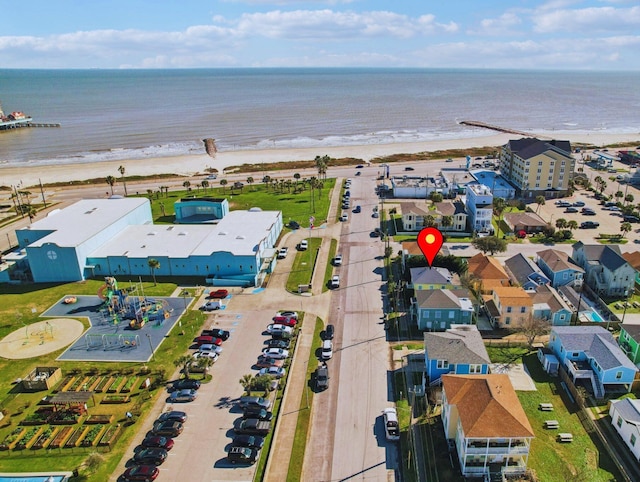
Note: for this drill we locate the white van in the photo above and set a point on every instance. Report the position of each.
(327, 350)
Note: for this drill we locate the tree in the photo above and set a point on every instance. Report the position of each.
(122, 170)
(629, 198)
(185, 362)
(436, 197)
(186, 185)
(246, 381)
(625, 228)
(499, 205)
(223, 183)
(111, 182)
(321, 165)
(250, 181)
(154, 264)
(267, 181)
(31, 212)
(572, 225)
(205, 185)
(429, 220)
(490, 244)
(540, 201)
(561, 223)
(296, 176)
(533, 328)
(205, 363)
(618, 195)
(446, 222)
(388, 251)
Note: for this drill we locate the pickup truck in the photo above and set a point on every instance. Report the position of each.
(253, 426)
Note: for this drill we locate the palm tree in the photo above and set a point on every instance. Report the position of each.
(154, 264)
(122, 170)
(321, 165)
(31, 212)
(625, 228)
(296, 176)
(429, 220)
(205, 185)
(540, 201)
(186, 185)
(205, 363)
(561, 223)
(267, 181)
(446, 222)
(246, 382)
(185, 362)
(629, 198)
(618, 195)
(573, 224)
(223, 183)
(499, 205)
(111, 181)
(250, 181)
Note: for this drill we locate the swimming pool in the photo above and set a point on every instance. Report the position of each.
(593, 316)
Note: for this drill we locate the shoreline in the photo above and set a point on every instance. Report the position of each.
(189, 165)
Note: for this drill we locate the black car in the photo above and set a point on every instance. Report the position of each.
(408, 168)
(273, 343)
(329, 332)
(259, 413)
(294, 225)
(217, 333)
(589, 213)
(174, 416)
(251, 441)
(630, 219)
(155, 456)
(347, 193)
(242, 455)
(589, 225)
(186, 384)
(571, 210)
(167, 429)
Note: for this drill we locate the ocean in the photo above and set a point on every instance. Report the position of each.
(133, 114)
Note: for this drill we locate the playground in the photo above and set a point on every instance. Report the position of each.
(40, 338)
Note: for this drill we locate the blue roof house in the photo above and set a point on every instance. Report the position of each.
(525, 272)
(560, 268)
(459, 350)
(591, 354)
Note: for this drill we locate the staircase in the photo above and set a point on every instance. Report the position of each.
(598, 388)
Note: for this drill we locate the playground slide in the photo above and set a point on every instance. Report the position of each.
(101, 292)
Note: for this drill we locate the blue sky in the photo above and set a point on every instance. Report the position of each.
(523, 34)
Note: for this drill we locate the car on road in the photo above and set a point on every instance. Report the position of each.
(335, 281)
(146, 473)
(218, 294)
(282, 252)
(251, 441)
(359, 166)
(173, 415)
(326, 352)
(329, 331)
(303, 245)
(259, 413)
(186, 384)
(571, 209)
(589, 225)
(322, 377)
(151, 456)
(273, 343)
(449, 160)
(217, 333)
(167, 429)
(266, 362)
(277, 353)
(391, 425)
(288, 314)
(408, 168)
(279, 331)
(252, 426)
(337, 261)
(242, 455)
(208, 340)
(183, 396)
(277, 372)
(211, 306)
(261, 402)
(157, 441)
(285, 320)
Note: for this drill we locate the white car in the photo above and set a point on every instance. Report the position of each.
(210, 348)
(278, 329)
(327, 350)
(206, 354)
(277, 372)
(335, 281)
(288, 314)
(391, 425)
(337, 261)
(277, 353)
(344, 217)
(304, 245)
(282, 253)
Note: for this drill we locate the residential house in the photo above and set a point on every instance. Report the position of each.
(530, 223)
(560, 268)
(625, 418)
(417, 215)
(479, 204)
(606, 272)
(508, 307)
(458, 350)
(537, 167)
(438, 309)
(549, 305)
(425, 278)
(634, 260)
(487, 273)
(629, 341)
(591, 354)
(525, 272)
(483, 417)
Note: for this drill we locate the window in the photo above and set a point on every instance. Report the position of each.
(632, 440)
(619, 422)
(442, 364)
(507, 320)
(523, 309)
(575, 354)
(509, 309)
(618, 375)
(475, 368)
(438, 314)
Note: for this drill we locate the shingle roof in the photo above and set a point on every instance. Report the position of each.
(628, 409)
(487, 405)
(529, 147)
(444, 299)
(513, 296)
(524, 219)
(632, 330)
(595, 342)
(607, 256)
(460, 344)
(486, 267)
(549, 296)
(424, 275)
(558, 260)
(417, 209)
(633, 259)
(524, 270)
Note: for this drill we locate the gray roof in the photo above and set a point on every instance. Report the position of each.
(632, 330)
(607, 256)
(524, 270)
(426, 275)
(529, 147)
(628, 409)
(558, 261)
(595, 342)
(444, 299)
(459, 344)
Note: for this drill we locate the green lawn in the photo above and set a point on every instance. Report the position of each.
(328, 272)
(303, 265)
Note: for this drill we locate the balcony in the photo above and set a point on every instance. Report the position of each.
(579, 369)
(496, 448)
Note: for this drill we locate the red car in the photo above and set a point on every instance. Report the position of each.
(208, 340)
(218, 294)
(266, 362)
(285, 320)
(157, 441)
(141, 472)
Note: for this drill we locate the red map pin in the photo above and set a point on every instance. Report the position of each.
(430, 241)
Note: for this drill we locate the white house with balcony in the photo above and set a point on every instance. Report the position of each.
(483, 417)
(625, 418)
(479, 204)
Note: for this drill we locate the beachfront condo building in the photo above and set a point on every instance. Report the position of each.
(479, 203)
(537, 168)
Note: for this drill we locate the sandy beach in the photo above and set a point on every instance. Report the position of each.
(189, 165)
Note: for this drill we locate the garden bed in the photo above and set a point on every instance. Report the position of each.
(64, 418)
(110, 436)
(12, 439)
(129, 386)
(109, 399)
(63, 383)
(70, 381)
(29, 438)
(39, 417)
(61, 437)
(45, 438)
(117, 384)
(101, 419)
(75, 437)
(104, 384)
(94, 382)
(93, 435)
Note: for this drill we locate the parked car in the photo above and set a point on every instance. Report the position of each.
(253, 426)
(579, 204)
(186, 384)
(375, 214)
(157, 441)
(277, 372)
(277, 329)
(391, 425)
(359, 166)
(208, 340)
(326, 351)
(167, 429)
(335, 281)
(563, 204)
(347, 194)
(357, 209)
(266, 362)
(571, 209)
(218, 294)
(294, 225)
(251, 441)
(141, 472)
(589, 212)
(211, 306)
(151, 456)
(409, 168)
(288, 314)
(345, 206)
(337, 261)
(214, 348)
(282, 253)
(322, 377)
(242, 455)
(344, 217)
(589, 225)
(182, 396)
(217, 333)
(173, 415)
(261, 402)
(278, 353)
(329, 332)
(260, 414)
(303, 245)
(273, 343)
(206, 354)
(630, 219)
(586, 209)
(285, 320)
(611, 208)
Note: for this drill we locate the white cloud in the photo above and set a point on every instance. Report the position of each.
(594, 19)
(507, 23)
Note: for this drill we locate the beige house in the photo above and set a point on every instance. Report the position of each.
(486, 273)
(537, 167)
(416, 215)
(508, 307)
